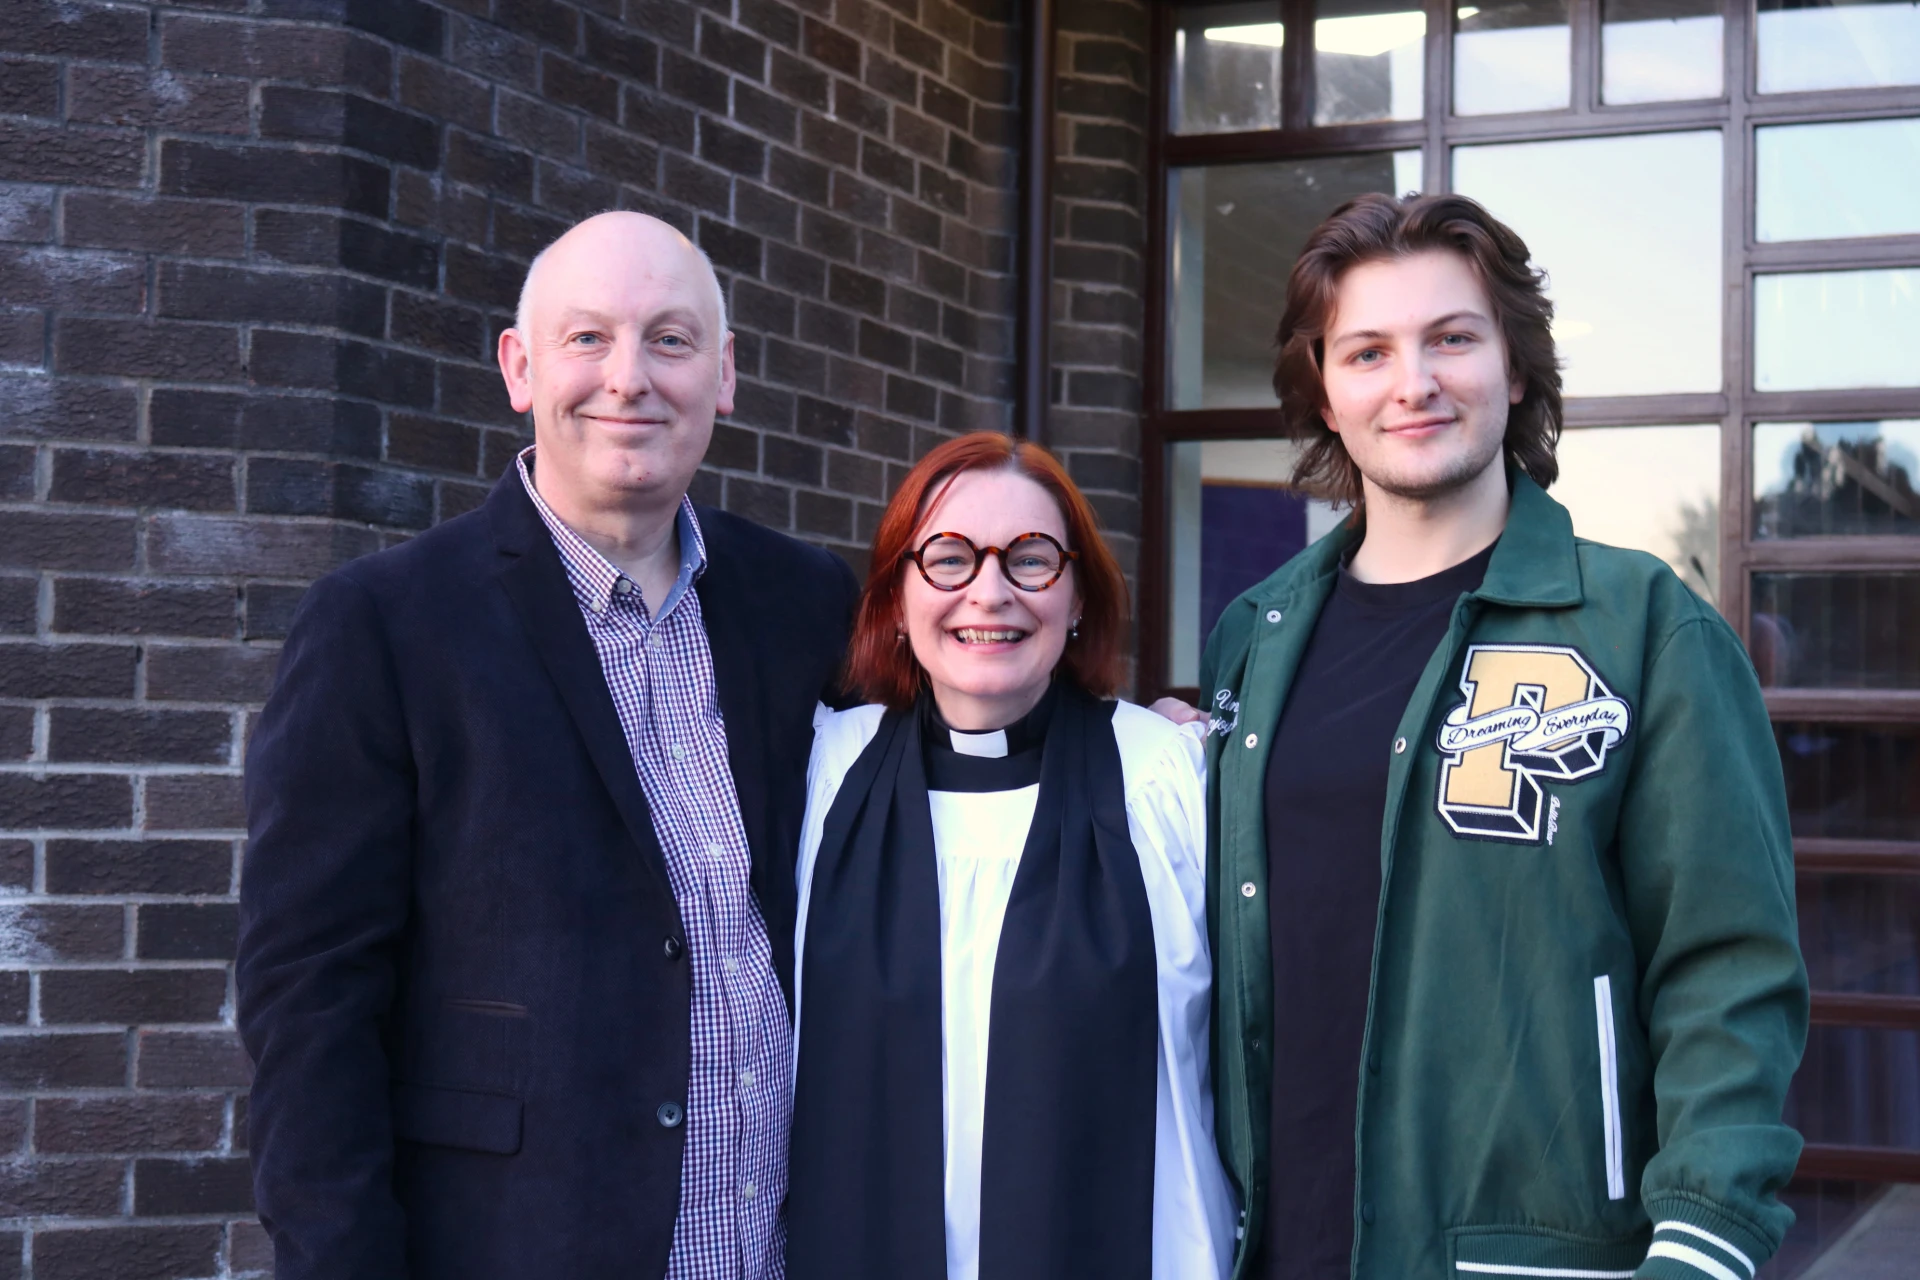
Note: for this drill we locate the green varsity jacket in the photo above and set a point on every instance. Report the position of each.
(1587, 994)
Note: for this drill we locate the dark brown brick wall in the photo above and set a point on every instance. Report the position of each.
(253, 258)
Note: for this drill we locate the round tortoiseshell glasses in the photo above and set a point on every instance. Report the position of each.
(1031, 562)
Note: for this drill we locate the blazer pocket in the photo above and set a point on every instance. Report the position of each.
(1540, 1252)
(440, 1117)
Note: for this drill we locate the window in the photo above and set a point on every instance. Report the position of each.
(1724, 193)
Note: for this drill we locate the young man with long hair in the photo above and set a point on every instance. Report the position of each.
(1501, 885)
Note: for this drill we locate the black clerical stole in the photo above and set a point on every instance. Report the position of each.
(1067, 1155)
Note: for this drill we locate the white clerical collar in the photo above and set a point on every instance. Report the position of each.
(992, 744)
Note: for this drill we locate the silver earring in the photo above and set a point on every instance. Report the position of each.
(1073, 632)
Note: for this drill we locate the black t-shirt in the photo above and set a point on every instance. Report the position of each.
(1326, 790)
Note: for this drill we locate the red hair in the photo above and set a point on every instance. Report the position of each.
(881, 667)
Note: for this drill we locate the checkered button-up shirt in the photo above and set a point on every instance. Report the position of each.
(739, 1096)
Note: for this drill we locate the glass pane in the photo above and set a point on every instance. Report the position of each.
(1844, 45)
(1628, 230)
(1232, 520)
(1237, 230)
(1654, 489)
(1511, 55)
(1660, 50)
(1839, 630)
(1821, 479)
(1368, 61)
(1832, 181)
(1226, 68)
(1816, 330)
(1851, 781)
(1858, 1086)
(1847, 1231)
(1861, 933)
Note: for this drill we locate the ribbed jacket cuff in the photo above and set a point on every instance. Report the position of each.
(1693, 1241)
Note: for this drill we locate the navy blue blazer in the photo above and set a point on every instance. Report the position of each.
(461, 968)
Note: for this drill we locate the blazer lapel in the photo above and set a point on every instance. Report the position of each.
(536, 582)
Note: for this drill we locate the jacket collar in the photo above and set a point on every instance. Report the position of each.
(1534, 563)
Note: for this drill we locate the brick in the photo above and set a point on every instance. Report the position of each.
(13, 1141)
(62, 29)
(67, 670)
(443, 93)
(494, 53)
(56, 540)
(131, 996)
(42, 932)
(117, 867)
(408, 22)
(15, 994)
(96, 606)
(326, 240)
(82, 1188)
(433, 442)
(29, 88)
(104, 735)
(31, 151)
(70, 801)
(279, 175)
(191, 291)
(622, 157)
(488, 165)
(539, 127)
(834, 48)
(269, 610)
(738, 51)
(16, 734)
(260, 51)
(125, 1125)
(694, 81)
(202, 228)
(731, 149)
(621, 50)
(149, 98)
(18, 467)
(39, 1060)
(547, 20)
(26, 214)
(19, 604)
(142, 349)
(657, 119)
(210, 673)
(127, 1253)
(194, 481)
(194, 1186)
(187, 931)
(194, 1060)
(195, 802)
(772, 19)
(23, 338)
(477, 394)
(730, 248)
(185, 544)
(313, 115)
(249, 1249)
(798, 81)
(319, 362)
(568, 84)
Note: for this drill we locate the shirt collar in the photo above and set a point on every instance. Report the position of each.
(594, 578)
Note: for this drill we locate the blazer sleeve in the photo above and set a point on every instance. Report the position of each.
(1707, 867)
(846, 595)
(324, 899)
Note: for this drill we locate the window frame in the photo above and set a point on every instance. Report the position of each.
(1736, 408)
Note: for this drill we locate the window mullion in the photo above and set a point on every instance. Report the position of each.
(1586, 18)
(1296, 65)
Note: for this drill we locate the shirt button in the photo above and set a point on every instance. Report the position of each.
(622, 587)
(1399, 745)
(746, 1079)
(714, 850)
(670, 1115)
(679, 751)
(746, 1191)
(673, 948)
(1253, 740)
(1273, 615)
(730, 964)
(654, 642)
(1247, 890)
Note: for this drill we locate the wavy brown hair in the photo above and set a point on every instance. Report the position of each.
(1373, 228)
(880, 668)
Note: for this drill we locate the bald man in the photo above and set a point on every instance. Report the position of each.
(517, 911)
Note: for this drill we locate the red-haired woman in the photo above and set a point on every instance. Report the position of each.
(1003, 976)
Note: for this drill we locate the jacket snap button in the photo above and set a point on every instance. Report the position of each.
(1253, 740)
(1273, 615)
(673, 949)
(1373, 1063)
(1399, 745)
(1247, 890)
(669, 1115)
(1366, 1212)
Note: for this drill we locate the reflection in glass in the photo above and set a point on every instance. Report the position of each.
(1835, 479)
(1851, 781)
(1654, 489)
(1628, 231)
(1226, 68)
(1844, 45)
(1840, 630)
(1858, 1086)
(1845, 1231)
(1511, 55)
(1237, 230)
(1861, 933)
(1368, 61)
(1232, 520)
(1833, 181)
(1660, 50)
(1818, 330)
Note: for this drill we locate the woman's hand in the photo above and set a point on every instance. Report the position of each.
(1177, 711)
